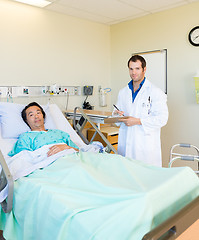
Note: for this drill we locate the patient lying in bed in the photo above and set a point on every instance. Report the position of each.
(40, 147)
(34, 116)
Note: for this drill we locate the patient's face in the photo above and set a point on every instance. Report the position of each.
(35, 118)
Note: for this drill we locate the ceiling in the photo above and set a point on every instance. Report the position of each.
(112, 11)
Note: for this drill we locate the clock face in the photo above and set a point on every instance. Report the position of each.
(194, 36)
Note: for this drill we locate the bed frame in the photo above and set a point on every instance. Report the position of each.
(177, 224)
(6, 181)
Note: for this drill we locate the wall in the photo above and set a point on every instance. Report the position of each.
(39, 47)
(168, 29)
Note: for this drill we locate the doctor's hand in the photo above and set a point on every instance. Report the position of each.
(121, 113)
(130, 121)
(58, 148)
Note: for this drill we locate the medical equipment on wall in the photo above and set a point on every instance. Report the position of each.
(9, 95)
(87, 90)
(196, 78)
(103, 96)
(86, 105)
(53, 89)
(37, 91)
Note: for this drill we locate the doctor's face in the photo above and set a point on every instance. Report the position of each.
(137, 73)
(34, 118)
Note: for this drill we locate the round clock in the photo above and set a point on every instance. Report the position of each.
(194, 36)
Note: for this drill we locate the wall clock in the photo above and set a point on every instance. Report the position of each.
(194, 36)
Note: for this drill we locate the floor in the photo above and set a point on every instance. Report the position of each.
(191, 233)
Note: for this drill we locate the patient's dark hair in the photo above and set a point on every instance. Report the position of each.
(136, 58)
(23, 113)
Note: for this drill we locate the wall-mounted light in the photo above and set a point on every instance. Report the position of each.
(37, 3)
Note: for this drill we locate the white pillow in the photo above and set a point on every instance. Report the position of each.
(6, 145)
(12, 124)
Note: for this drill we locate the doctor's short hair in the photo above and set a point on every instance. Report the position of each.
(136, 58)
(23, 113)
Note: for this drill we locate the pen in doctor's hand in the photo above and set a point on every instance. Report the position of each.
(117, 108)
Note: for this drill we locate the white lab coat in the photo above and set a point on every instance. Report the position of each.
(142, 142)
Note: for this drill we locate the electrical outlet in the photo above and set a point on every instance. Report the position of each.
(65, 90)
(9, 93)
(69, 90)
(44, 90)
(72, 91)
(75, 91)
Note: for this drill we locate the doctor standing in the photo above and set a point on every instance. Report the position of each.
(146, 106)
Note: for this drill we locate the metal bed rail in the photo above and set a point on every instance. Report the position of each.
(6, 182)
(80, 124)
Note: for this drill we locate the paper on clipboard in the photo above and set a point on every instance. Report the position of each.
(114, 119)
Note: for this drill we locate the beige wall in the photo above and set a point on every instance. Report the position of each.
(39, 47)
(168, 29)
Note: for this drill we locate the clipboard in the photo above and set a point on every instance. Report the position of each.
(113, 119)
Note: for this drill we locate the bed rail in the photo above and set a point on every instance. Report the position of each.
(6, 184)
(80, 124)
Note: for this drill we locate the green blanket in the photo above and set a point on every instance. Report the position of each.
(88, 196)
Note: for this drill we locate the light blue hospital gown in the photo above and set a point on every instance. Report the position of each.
(35, 139)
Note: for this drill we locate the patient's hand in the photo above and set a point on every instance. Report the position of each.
(58, 148)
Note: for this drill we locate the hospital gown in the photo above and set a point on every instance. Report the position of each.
(36, 139)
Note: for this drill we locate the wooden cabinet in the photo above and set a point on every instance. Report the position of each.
(111, 133)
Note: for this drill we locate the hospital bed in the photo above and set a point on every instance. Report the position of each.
(111, 198)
